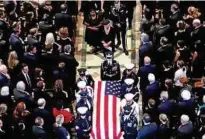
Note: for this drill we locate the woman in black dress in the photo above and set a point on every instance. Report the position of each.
(92, 23)
(107, 37)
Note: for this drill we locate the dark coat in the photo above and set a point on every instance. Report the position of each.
(185, 131)
(147, 132)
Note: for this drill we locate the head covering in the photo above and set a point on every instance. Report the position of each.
(82, 71)
(127, 109)
(130, 66)
(5, 91)
(108, 55)
(129, 96)
(129, 81)
(186, 95)
(82, 110)
(83, 94)
(151, 77)
(81, 84)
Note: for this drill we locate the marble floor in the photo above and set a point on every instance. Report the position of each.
(93, 62)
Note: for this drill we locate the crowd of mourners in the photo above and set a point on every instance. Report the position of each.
(41, 98)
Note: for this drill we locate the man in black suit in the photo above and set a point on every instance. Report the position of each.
(42, 112)
(70, 66)
(144, 71)
(64, 20)
(25, 77)
(17, 44)
(30, 57)
(38, 130)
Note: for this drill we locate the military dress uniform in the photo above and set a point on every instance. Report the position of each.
(84, 76)
(129, 87)
(128, 101)
(82, 124)
(110, 69)
(128, 123)
(118, 15)
(129, 73)
(84, 97)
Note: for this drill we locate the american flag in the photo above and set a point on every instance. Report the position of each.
(106, 110)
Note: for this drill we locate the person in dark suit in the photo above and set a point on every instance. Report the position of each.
(175, 15)
(42, 112)
(151, 109)
(70, 65)
(17, 44)
(164, 130)
(186, 104)
(30, 58)
(118, 15)
(25, 77)
(144, 71)
(148, 130)
(185, 130)
(197, 32)
(59, 130)
(146, 48)
(166, 106)
(151, 91)
(38, 130)
(64, 20)
(85, 76)
(110, 68)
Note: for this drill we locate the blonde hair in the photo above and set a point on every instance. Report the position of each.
(194, 12)
(12, 60)
(49, 40)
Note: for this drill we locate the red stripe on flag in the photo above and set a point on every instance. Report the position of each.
(98, 111)
(106, 113)
(114, 116)
(92, 134)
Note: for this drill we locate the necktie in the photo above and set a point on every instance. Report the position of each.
(28, 80)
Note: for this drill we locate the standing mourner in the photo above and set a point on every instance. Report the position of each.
(110, 68)
(82, 125)
(128, 123)
(119, 16)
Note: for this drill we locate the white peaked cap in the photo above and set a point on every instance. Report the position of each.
(82, 110)
(129, 81)
(186, 95)
(81, 84)
(151, 77)
(130, 66)
(129, 96)
(5, 91)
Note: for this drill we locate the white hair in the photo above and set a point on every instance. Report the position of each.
(20, 86)
(60, 119)
(164, 94)
(41, 102)
(151, 77)
(184, 119)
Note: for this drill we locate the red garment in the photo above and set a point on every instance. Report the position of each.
(67, 115)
